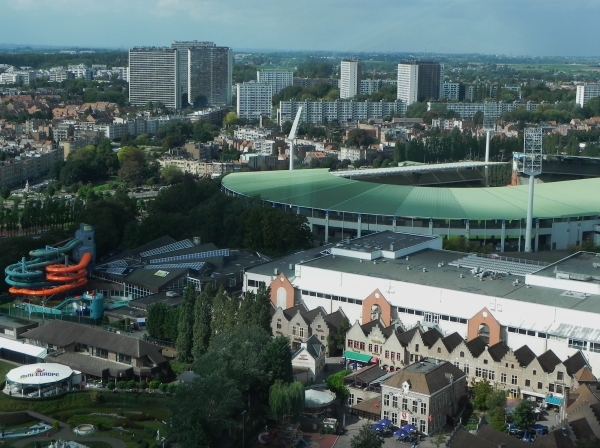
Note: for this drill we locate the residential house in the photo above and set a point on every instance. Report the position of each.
(310, 356)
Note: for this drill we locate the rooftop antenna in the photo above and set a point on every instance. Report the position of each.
(489, 124)
(532, 166)
(292, 136)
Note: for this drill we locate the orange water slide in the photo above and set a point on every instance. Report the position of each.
(75, 275)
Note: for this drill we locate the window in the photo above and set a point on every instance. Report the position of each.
(466, 368)
(560, 376)
(394, 401)
(350, 343)
(485, 361)
(595, 347)
(577, 344)
(559, 389)
(462, 354)
(362, 346)
(281, 298)
(417, 348)
(534, 372)
(322, 337)
(423, 408)
(99, 352)
(301, 332)
(405, 404)
(398, 357)
(279, 324)
(551, 387)
(395, 418)
(414, 406)
(478, 371)
(125, 359)
(457, 364)
(514, 379)
(527, 383)
(503, 378)
(386, 400)
(294, 331)
(414, 421)
(370, 347)
(386, 414)
(439, 350)
(540, 385)
(387, 354)
(514, 393)
(392, 356)
(350, 399)
(422, 426)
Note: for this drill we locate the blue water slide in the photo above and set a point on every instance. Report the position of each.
(52, 251)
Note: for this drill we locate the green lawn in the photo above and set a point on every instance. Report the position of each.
(5, 367)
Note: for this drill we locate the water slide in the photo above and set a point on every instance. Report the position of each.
(28, 278)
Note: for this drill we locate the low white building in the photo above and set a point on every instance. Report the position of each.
(310, 356)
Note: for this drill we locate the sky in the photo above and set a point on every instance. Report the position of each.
(517, 27)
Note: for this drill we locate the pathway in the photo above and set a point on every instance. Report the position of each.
(64, 433)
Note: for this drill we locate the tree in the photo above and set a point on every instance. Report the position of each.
(366, 438)
(202, 320)
(336, 384)
(523, 415)
(172, 174)
(496, 399)
(482, 389)
(439, 439)
(286, 399)
(279, 359)
(130, 153)
(224, 313)
(230, 119)
(185, 326)
(130, 171)
(202, 410)
(340, 336)
(155, 322)
(499, 419)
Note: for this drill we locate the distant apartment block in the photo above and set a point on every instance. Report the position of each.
(122, 72)
(349, 78)
(154, 77)
(18, 77)
(450, 91)
(419, 81)
(277, 79)
(586, 92)
(370, 86)
(29, 165)
(317, 112)
(468, 110)
(254, 99)
(312, 82)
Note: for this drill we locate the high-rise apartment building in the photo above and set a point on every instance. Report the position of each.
(205, 69)
(419, 81)
(277, 79)
(154, 77)
(349, 78)
(586, 93)
(254, 99)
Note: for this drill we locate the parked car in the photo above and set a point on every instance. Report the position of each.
(540, 429)
(565, 432)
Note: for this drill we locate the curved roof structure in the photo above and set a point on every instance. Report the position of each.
(320, 189)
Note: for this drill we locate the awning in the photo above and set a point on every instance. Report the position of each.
(556, 401)
(21, 347)
(357, 356)
(533, 394)
(375, 360)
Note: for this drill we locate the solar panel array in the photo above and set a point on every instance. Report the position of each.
(195, 256)
(185, 244)
(197, 266)
(116, 271)
(116, 264)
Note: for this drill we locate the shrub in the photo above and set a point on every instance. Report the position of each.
(111, 386)
(95, 397)
(154, 384)
(55, 426)
(17, 418)
(122, 385)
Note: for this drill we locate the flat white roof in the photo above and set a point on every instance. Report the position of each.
(414, 168)
(21, 347)
(39, 374)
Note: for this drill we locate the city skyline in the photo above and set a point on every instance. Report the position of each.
(455, 26)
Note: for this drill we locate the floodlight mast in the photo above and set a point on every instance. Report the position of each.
(489, 124)
(532, 166)
(292, 136)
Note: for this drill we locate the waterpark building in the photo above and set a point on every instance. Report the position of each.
(407, 280)
(96, 352)
(40, 380)
(565, 213)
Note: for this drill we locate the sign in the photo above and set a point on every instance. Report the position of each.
(38, 372)
(404, 416)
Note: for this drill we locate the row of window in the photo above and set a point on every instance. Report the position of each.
(432, 317)
(299, 331)
(256, 284)
(331, 297)
(573, 343)
(393, 416)
(414, 404)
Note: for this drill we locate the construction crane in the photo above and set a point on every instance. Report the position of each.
(292, 137)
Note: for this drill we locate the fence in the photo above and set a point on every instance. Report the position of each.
(17, 312)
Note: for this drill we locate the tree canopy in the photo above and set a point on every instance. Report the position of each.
(366, 438)
(523, 415)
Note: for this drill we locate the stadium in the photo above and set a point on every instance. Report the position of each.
(565, 213)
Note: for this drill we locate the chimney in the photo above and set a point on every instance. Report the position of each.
(276, 271)
(197, 240)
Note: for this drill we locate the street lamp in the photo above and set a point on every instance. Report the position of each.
(243, 428)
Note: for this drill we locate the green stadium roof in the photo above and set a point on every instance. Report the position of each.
(319, 189)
